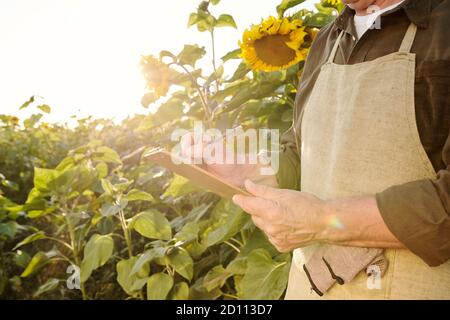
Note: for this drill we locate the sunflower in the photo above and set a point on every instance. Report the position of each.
(274, 44)
(333, 2)
(157, 74)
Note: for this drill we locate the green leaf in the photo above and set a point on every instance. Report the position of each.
(168, 112)
(216, 278)
(97, 252)
(180, 291)
(225, 20)
(107, 187)
(32, 120)
(188, 233)
(131, 283)
(264, 279)
(195, 248)
(21, 259)
(193, 19)
(102, 170)
(253, 90)
(214, 2)
(215, 75)
(193, 216)
(257, 240)
(152, 224)
(164, 53)
(27, 103)
(325, 9)
(203, 20)
(107, 155)
(318, 20)
(50, 285)
(240, 72)
(287, 116)
(110, 209)
(158, 286)
(66, 163)
(180, 186)
(138, 195)
(232, 89)
(31, 238)
(148, 99)
(182, 262)
(79, 178)
(235, 54)
(198, 291)
(190, 54)
(38, 261)
(44, 179)
(44, 108)
(33, 214)
(146, 257)
(227, 219)
(287, 4)
(8, 229)
(238, 266)
(122, 185)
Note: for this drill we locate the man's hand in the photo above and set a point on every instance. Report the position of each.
(234, 174)
(291, 219)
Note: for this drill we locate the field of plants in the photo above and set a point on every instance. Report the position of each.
(82, 216)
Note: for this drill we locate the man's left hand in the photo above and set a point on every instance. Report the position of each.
(291, 219)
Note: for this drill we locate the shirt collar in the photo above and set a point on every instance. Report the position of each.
(417, 11)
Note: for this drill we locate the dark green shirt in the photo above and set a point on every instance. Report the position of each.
(418, 212)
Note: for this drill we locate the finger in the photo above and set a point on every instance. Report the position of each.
(275, 241)
(259, 222)
(278, 244)
(262, 191)
(255, 206)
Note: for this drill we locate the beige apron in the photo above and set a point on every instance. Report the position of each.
(359, 137)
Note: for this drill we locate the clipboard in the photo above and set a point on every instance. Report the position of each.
(194, 173)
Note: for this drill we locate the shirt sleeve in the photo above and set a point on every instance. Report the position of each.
(418, 214)
(288, 175)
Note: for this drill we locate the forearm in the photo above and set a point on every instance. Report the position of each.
(356, 222)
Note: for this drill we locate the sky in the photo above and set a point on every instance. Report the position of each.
(82, 56)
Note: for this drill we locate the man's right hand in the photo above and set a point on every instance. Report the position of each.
(235, 174)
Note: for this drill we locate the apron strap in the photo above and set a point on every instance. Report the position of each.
(405, 47)
(335, 47)
(408, 39)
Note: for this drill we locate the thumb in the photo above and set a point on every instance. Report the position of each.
(262, 191)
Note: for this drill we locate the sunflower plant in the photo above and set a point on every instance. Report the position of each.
(259, 93)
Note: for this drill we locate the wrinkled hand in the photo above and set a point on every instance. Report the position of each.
(234, 174)
(291, 219)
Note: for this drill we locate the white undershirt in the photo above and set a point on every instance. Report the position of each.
(364, 23)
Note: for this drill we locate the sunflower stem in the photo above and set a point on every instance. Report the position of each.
(126, 233)
(206, 108)
(213, 45)
(74, 245)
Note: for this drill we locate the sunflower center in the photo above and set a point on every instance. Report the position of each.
(273, 50)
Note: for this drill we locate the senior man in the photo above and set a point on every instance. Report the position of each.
(369, 150)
